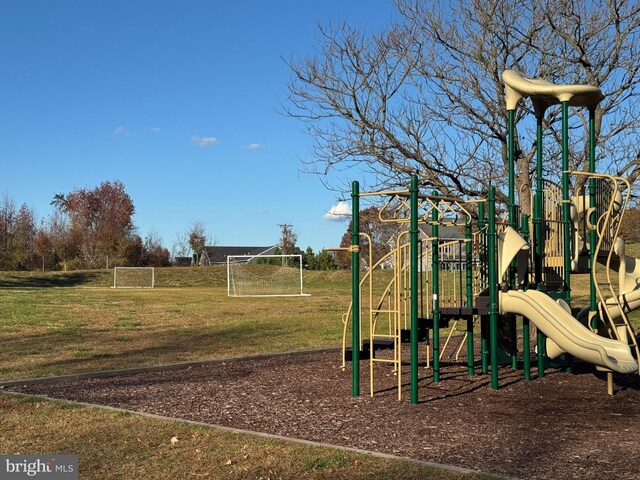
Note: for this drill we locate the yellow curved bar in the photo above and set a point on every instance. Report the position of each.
(619, 303)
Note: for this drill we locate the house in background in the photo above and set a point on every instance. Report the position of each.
(182, 261)
(217, 255)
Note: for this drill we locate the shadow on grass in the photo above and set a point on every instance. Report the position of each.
(66, 279)
(150, 349)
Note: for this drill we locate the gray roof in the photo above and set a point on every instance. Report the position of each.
(219, 254)
(444, 231)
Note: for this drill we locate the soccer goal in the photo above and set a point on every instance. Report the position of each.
(264, 276)
(134, 277)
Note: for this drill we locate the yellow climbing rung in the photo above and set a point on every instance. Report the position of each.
(383, 360)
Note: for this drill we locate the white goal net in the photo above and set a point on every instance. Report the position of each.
(134, 277)
(264, 275)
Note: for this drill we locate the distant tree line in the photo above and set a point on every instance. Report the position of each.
(319, 261)
(89, 228)
(94, 228)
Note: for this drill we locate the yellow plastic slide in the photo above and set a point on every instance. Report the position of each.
(566, 333)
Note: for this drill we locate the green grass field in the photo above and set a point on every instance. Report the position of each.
(59, 323)
(66, 323)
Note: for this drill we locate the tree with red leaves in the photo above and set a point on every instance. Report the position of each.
(102, 218)
(382, 235)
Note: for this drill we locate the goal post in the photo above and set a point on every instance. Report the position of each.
(265, 276)
(134, 277)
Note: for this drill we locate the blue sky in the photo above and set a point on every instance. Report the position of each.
(180, 101)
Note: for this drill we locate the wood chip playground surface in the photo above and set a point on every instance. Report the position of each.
(559, 427)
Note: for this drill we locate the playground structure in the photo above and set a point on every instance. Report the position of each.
(499, 268)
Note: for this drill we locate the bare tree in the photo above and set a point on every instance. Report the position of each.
(288, 239)
(8, 215)
(197, 237)
(425, 94)
(43, 246)
(598, 43)
(180, 246)
(155, 254)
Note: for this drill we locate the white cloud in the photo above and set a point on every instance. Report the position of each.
(338, 212)
(254, 146)
(155, 129)
(204, 141)
(121, 131)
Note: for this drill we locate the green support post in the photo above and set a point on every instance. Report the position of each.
(526, 335)
(493, 287)
(484, 347)
(355, 290)
(566, 210)
(468, 235)
(413, 233)
(435, 269)
(539, 237)
(538, 208)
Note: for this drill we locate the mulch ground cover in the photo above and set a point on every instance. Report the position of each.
(558, 427)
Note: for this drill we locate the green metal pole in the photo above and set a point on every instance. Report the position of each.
(435, 270)
(526, 335)
(484, 347)
(566, 210)
(593, 240)
(413, 233)
(539, 223)
(493, 288)
(538, 208)
(542, 350)
(355, 290)
(468, 234)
